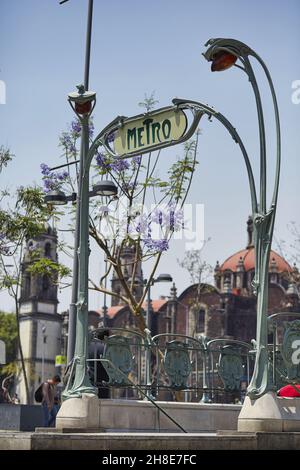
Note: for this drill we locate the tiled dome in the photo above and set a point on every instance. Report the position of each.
(247, 255)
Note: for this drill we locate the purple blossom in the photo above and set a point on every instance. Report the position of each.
(62, 176)
(49, 185)
(45, 169)
(76, 128)
(172, 219)
(120, 165)
(101, 161)
(156, 245)
(52, 180)
(100, 157)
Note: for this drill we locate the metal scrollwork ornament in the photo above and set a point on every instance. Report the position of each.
(118, 351)
(230, 367)
(177, 364)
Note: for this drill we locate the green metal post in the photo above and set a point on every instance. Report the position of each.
(81, 383)
(72, 308)
(205, 394)
(263, 219)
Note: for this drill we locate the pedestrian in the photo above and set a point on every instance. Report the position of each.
(49, 407)
(97, 372)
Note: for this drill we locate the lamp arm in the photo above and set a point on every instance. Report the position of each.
(262, 135)
(277, 124)
(234, 134)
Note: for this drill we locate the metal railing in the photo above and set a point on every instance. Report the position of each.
(172, 367)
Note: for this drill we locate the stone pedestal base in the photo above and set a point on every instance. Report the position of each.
(270, 413)
(79, 413)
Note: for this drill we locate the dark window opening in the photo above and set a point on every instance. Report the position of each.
(45, 282)
(48, 250)
(200, 320)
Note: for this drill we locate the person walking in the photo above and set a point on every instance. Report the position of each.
(97, 372)
(48, 403)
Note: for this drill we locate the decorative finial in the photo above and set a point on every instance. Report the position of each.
(80, 89)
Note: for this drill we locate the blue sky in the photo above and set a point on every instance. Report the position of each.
(138, 47)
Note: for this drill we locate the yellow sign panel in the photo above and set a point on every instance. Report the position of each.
(153, 130)
(60, 360)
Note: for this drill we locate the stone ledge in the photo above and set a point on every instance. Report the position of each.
(150, 441)
(68, 430)
(142, 441)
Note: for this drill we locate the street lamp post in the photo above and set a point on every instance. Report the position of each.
(224, 53)
(73, 307)
(83, 103)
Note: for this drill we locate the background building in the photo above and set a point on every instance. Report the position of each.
(225, 309)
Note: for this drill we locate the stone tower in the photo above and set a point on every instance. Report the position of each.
(40, 324)
(127, 261)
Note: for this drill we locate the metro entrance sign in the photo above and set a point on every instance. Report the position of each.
(141, 133)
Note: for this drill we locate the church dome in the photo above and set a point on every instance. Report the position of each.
(245, 259)
(248, 258)
(235, 275)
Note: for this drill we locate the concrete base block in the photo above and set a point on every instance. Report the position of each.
(89, 414)
(20, 417)
(270, 413)
(79, 413)
(143, 416)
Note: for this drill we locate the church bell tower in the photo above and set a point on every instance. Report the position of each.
(40, 324)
